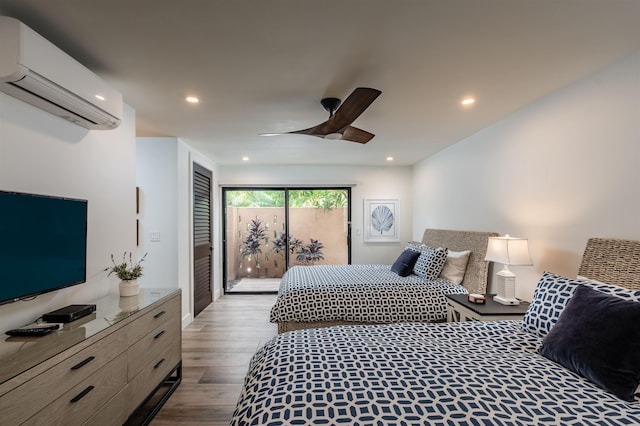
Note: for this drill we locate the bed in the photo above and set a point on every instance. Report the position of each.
(471, 373)
(327, 295)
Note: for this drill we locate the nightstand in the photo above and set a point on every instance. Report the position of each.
(460, 309)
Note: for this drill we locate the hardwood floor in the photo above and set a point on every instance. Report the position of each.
(256, 285)
(216, 349)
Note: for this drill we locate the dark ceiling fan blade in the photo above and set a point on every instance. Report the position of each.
(321, 130)
(354, 134)
(358, 101)
(338, 126)
(349, 133)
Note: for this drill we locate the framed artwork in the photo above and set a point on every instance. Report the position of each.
(381, 221)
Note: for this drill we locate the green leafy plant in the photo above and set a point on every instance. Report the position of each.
(279, 243)
(256, 235)
(308, 253)
(126, 270)
(294, 244)
(311, 252)
(252, 245)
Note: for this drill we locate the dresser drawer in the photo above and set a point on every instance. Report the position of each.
(46, 387)
(153, 344)
(153, 319)
(114, 412)
(81, 401)
(153, 373)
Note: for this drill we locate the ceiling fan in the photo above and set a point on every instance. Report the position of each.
(338, 126)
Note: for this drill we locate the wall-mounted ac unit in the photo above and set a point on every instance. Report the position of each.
(34, 70)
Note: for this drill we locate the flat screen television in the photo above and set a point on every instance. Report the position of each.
(43, 244)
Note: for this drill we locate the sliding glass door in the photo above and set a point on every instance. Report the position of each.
(269, 230)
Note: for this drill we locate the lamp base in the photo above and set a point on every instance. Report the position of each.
(506, 287)
(506, 301)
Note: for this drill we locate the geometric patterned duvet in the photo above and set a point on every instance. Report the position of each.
(473, 373)
(359, 293)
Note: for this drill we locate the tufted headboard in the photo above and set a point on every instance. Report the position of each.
(612, 261)
(475, 277)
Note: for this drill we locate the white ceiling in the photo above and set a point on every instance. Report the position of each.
(263, 66)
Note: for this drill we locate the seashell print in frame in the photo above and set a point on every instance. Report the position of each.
(381, 220)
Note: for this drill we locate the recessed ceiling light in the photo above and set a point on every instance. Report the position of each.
(468, 101)
(245, 158)
(389, 158)
(192, 99)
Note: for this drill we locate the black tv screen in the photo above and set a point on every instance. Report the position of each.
(43, 244)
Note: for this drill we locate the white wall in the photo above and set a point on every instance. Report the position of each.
(368, 183)
(157, 180)
(164, 176)
(43, 154)
(187, 156)
(563, 170)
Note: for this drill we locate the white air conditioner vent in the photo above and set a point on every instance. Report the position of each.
(35, 71)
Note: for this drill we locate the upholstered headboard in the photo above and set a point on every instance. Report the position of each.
(612, 261)
(475, 277)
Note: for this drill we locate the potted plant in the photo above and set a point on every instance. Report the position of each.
(128, 272)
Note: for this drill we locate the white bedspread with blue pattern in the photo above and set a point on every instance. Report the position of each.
(473, 373)
(359, 293)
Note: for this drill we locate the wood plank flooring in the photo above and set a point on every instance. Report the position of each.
(216, 349)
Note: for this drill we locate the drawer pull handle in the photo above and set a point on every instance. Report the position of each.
(159, 363)
(159, 334)
(83, 363)
(159, 314)
(82, 394)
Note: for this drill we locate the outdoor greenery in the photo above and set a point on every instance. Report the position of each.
(308, 253)
(257, 242)
(311, 252)
(318, 198)
(256, 235)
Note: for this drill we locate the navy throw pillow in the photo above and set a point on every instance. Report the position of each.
(597, 336)
(403, 265)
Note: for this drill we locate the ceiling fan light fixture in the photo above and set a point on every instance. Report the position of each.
(333, 136)
(341, 115)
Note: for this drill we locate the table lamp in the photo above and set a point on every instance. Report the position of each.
(508, 251)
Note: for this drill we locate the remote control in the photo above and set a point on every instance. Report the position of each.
(36, 330)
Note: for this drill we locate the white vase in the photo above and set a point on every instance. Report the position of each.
(129, 288)
(128, 304)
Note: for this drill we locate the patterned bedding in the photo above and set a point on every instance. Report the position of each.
(473, 373)
(359, 293)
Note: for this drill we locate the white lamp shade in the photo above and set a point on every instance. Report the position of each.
(508, 251)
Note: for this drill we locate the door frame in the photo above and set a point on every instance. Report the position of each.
(197, 167)
(286, 189)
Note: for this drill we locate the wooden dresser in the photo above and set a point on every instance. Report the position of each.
(115, 366)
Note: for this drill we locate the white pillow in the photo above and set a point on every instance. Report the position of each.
(455, 266)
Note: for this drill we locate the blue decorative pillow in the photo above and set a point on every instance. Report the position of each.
(403, 265)
(597, 336)
(430, 262)
(552, 295)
